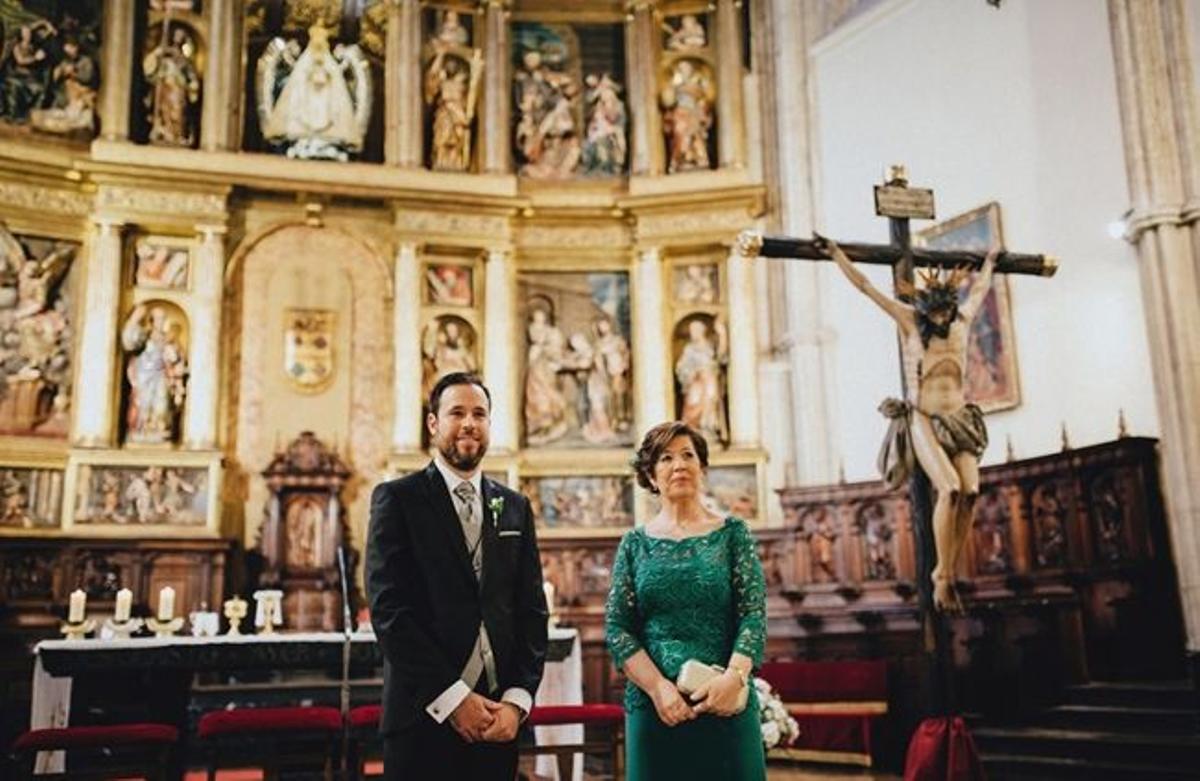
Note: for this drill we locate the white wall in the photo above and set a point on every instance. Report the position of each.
(1016, 105)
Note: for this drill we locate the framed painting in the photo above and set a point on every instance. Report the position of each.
(993, 381)
(580, 503)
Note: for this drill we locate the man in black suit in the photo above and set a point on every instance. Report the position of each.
(455, 585)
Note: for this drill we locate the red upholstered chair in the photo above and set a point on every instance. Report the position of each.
(364, 737)
(105, 751)
(604, 716)
(835, 704)
(271, 738)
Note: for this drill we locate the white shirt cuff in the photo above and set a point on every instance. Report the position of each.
(520, 698)
(440, 709)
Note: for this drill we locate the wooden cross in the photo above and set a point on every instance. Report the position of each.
(900, 203)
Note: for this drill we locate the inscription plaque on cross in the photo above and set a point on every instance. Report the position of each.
(936, 436)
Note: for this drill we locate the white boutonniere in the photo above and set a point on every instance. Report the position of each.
(496, 505)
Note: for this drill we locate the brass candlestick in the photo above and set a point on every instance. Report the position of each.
(77, 630)
(122, 630)
(164, 628)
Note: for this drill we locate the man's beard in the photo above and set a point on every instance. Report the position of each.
(462, 461)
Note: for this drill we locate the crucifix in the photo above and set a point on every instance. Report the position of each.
(936, 436)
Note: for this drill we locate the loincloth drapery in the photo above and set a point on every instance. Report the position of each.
(962, 431)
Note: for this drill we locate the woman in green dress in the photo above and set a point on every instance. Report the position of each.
(687, 585)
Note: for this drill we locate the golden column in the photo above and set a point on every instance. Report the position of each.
(641, 62)
(221, 117)
(402, 106)
(1157, 96)
(500, 370)
(744, 430)
(406, 346)
(495, 120)
(116, 69)
(651, 356)
(95, 393)
(204, 370)
(731, 122)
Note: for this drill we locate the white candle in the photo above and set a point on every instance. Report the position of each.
(78, 606)
(124, 602)
(166, 604)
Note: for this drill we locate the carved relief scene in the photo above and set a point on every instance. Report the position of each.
(50, 74)
(577, 389)
(142, 495)
(37, 333)
(687, 94)
(31, 498)
(580, 503)
(569, 110)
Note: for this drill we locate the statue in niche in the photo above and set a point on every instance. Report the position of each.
(314, 104)
(1110, 516)
(451, 92)
(1050, 521)
(74, 81)
(688, 36)
(157, 374)
(303, 525)
(547, 136)
(174, 96)
(822, 537)
(687, 102)
(35, 335)
(604, 145)
(699, 371)
(877, 531)
(545, 404)
(448, 346)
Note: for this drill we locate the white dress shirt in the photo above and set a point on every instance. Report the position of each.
(441, 708)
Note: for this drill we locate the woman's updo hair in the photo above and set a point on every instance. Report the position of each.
(656, 441)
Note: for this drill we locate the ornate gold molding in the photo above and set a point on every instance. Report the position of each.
(611, 235)
(45, 199)
(118, 198)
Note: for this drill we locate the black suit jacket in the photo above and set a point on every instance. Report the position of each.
(426, 604)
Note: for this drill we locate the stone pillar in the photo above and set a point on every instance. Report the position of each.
(731, 120)
(495, 126)
(743, 400)
(116, 69)
(204, 365)
(1157, 96)
(499, 328)
(95, 396)
(221, 116)
(402, 103)
(651, 351)
(406, 347)
(641, 65)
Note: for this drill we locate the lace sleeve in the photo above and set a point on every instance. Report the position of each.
(622, 622)
(750, 594)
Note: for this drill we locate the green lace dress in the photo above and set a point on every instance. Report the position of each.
(697, 598)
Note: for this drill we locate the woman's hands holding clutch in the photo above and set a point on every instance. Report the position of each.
(671, 706)
(721, 695)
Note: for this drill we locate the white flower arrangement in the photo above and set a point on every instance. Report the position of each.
(779, 729)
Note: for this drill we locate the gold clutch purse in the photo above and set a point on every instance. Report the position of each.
(695, 674)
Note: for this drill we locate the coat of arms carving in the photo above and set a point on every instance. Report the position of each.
(308, 349)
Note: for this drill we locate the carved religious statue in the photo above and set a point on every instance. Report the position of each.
(547, 133)
(604, 145)
(699, 371)
(687, 105)
(935, 425)
(609, 403)
(688, 36)
(174, 93)
(448, 346)
(545, 403)
(156, 372)
(451, 92)
(35, 335)
(314, 104)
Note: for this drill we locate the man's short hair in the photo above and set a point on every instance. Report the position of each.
(456, 378)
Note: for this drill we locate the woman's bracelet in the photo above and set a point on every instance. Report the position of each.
(743, 675)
